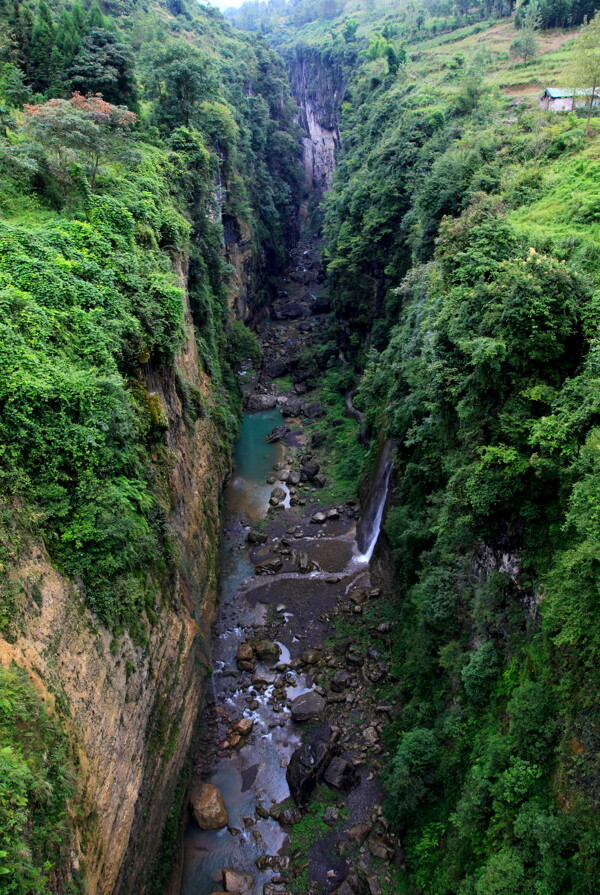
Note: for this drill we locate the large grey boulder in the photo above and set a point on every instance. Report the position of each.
(341, 775)
(308, 707)
(255, 403)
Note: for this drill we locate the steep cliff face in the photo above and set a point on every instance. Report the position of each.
(318, 86)
(130, 710)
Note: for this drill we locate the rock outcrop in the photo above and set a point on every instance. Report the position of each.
(129, 707)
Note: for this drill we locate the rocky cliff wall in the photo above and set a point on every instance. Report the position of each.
(130, 709)
(318, 86)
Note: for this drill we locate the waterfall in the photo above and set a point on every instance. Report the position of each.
(370, 523)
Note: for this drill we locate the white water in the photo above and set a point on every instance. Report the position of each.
(370, 524)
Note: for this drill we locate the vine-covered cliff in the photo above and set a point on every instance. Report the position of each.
(149, 179)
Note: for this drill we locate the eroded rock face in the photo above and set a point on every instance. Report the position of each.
(208, 807)
(126, 774)
(318, 87)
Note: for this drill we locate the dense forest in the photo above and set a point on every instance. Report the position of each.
(462, 256)
(130, 139)
(461, 237)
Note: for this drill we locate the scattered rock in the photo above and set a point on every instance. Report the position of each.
(267, 651)
(308, 706)
(277, 434)
(339, 681)
(319, 518)
(359, 833)
(245, 657)
(243, 726)
(276, 368)
(269, 566)
(331, 815)
(293, 478)
(255, 403)
(256, 537)
(341, 775)
(238, 882)
(208, 807)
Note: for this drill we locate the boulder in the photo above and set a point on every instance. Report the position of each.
(256, 537)
(339, 681)
(309, 470)
(275, 889)
(278, 494)
(313, 410)
(305, 769)
(287, 817)
(267, 651)
(318, 480)
(289, 310)
(243, 726)
(331, 815)
(341, 775)
(255, 403)
(359, 833)
(352, 885)
(276, 368)
(208, 807)
(370, 736)
(381, 848)
(303, 562)
(311, 656)
(277, 434)
(319, 518)
(317, 439)
(301, 376)
(321, 304)
(269, 566)
(245, 655)
(292, 407)
(238, 882)
(308, 706)
(293, 478)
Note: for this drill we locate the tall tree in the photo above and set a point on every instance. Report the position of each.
(587, 68)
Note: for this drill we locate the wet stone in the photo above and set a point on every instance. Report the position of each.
(238, 882)
(267, 650)
(308, 706)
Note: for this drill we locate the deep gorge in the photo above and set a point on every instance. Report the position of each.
(179, 259)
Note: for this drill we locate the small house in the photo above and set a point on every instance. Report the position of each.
(557, 99)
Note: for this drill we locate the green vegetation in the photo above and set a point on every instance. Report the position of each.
(99, 206)
(36, 786)
(138, 143)
(462, 253)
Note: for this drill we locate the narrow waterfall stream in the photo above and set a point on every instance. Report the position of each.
(369, 526)
(309, 553)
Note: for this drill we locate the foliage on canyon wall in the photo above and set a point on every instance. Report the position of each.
(98, 202)
(136, 142)
(462, 250)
